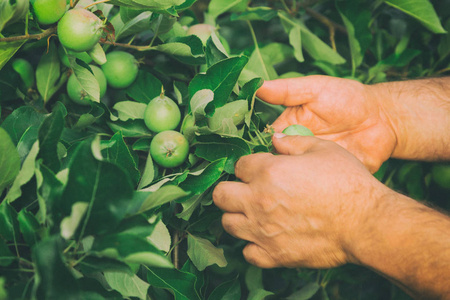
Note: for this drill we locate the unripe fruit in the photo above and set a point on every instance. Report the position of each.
(161, 114)
(441, 175)
(78, 94)
(169, 149)
(25, 70)
(121, 69)
(48, 11)
(79, 30)
(298, 130)
(203, 31)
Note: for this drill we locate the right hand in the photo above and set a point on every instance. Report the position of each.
(342, 110)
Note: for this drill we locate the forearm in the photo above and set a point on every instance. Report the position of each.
(408, 243)
(419, 112)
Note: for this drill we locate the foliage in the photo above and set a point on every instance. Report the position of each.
(86, 214)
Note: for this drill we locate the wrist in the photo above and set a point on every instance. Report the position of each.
(417, 111)
(406, 242)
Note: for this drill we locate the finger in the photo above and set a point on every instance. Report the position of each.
(249, 166)
(259, 257)
(294, 144)
(292, 91)
(237, 225)
(232, 196)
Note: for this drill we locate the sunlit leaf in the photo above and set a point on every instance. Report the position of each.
(203, 253)
(422, 10)
(9, 160)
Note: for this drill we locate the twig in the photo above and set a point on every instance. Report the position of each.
(97, 2)
(38, 36)
(321, 18)
(176, 249)
(139, 48)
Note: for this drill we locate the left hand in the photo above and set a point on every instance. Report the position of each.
(306, 207)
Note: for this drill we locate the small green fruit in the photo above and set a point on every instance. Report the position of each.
(161, 114)
(298, 130)
(79, 30)
(25, 70)
(48, 11)
(169, 149)
(203, 31)
(121, 69)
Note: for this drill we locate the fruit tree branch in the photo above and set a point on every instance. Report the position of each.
(38, 36)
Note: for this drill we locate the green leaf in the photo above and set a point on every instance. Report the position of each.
(135, 25)
(48, 73)
(214, 147)
(315, 47)
(49, 136)
(215, 50)
(199, 102)
(29, 226)
(25, 174)
(9, 226)
(249, 89)
(148, 4)
(119, 153)
(127, 285)
(218, 7)
(145, 88)
(188, 49)
(131, 249)
(20, 120)
(229, 290)
(106, 187)
(6, 258)
(130, 110)
(180, 284)
(160, 237)
(235, 111)
(87, 81)
(9, 160)
(356, 18)
(219, 78)
(93, 264)
(12, 11)
(70, 224)
(203, 253)
(163, 195)
(256, 14)
(49, 190)
(8, 49)
(97, 54)
(200, 181)
(254, 282)
(306, 292)
(87, 119)
(149, 172)
(421, 10)
(131, 128)
(54, 280)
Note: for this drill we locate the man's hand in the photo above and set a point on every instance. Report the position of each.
(337, 109)
(404, 119)
(301, 208)
(316, 205)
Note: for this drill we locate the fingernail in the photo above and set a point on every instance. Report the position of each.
(278, 135)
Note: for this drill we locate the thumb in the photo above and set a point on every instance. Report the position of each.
(293, 144)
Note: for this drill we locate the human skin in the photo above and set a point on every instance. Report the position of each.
(317, 205)
(374, 122)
